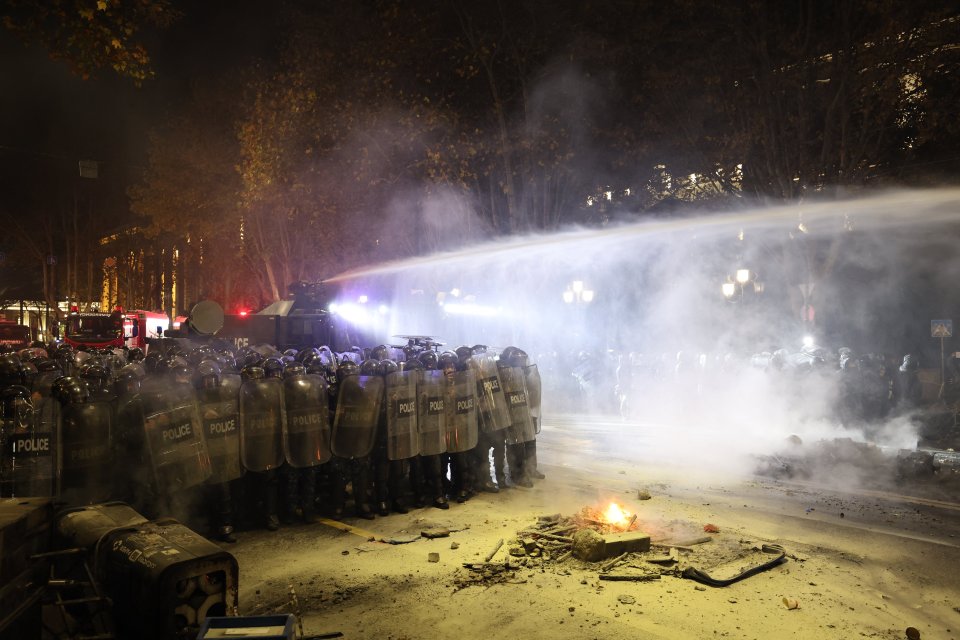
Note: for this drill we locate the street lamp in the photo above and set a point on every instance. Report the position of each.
(741, 279)
(577, 293)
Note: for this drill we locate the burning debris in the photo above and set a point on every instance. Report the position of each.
(609, 540)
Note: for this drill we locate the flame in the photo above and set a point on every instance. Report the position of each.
(616, 515)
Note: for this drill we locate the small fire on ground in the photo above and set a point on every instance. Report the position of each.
(606, 519)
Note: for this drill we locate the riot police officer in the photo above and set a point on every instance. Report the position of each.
(396, 439)
(261, 438)
(461, 425)
(220, 419)
(356, 415)
(306, 438)
(427, 467)
(22, 450)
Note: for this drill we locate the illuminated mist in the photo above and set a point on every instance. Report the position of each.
(875, 271)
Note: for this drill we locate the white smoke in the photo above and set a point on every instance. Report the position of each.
(657, 287)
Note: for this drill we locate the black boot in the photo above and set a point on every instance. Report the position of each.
(530, 462)
(288, 480)
(225, 534)
(361, 489)
(270, 481)
(308, 495)
(364, 511)
(515, 459)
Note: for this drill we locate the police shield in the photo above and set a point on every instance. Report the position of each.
(43, 382)
(174, 437)
(492, 404)
(358, 411)
(306, 441)
(515, 391)
(261, 424)
(431, 416)
(27, 452)
(87, 465)
(219, 415)
(461, 410)
(403, 440)
(534, 394)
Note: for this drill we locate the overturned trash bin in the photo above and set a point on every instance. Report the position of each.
(163, 578)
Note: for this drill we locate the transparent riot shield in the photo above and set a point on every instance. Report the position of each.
(87, 461)
(515, 391)
(174, 437)
(45, 478)
(261, 424)
(403, 440)
(534, 394)
(306, 441)
(27, 454)
(220, 416)
(43, 382)
(358, 411)
(491, 403)
(461, 409)
(431, 413)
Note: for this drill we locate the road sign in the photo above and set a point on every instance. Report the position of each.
(941, 328)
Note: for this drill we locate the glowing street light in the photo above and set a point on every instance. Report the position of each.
(741, 279)
(577, 293)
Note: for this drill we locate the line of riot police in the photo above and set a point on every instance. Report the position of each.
(195, 434)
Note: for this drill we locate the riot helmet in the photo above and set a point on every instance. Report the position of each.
(516, 357)
(96, 376)
(380, 352)
(152, 362)
(11, 371)
(413, 364)
(250, 359)
(128, 380)
(273, 367)
(70, 389)
(227, 362)
(464, 353)
(17, 407)
(294, 370)
(135, 354)
(207, 375)
(368, 367)
(428, 359)
(305, 354)
(253, 372)
(386, 367)
(447, 361)
(47, 365)
(346, 369)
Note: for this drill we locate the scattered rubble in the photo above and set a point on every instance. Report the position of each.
(617, 553)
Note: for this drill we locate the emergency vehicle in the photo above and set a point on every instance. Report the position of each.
(15, 335)
(116, 329)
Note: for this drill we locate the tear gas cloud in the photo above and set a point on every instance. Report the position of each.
(867, 273)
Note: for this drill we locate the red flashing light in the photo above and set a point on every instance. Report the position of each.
(244, 312)
(74, 309)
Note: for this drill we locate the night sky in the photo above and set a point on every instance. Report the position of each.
(52, 118)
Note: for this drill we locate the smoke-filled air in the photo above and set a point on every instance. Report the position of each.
(726, 330)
